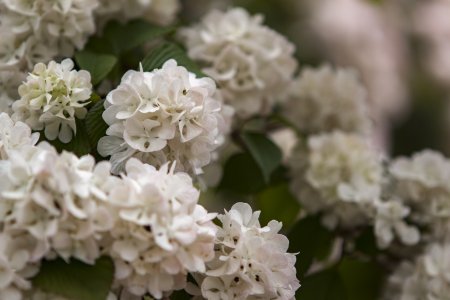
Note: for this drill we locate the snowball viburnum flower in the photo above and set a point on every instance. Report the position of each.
(251, 261)
(52, 97)
(324, 100)
(164, 115)
(338, 174)
(252, 64)
(14, 135)
(162, 233)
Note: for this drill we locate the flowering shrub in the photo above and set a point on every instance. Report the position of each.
(140, 159)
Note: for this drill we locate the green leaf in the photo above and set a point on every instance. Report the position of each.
(362, 280)
(277, 203)
(95, 125)
(242, 175)
(133, 34)
(325, 285)
(79, 145)
(76, 280)
(162, 53)
(264, 151)
(309, 238)
(99, 65)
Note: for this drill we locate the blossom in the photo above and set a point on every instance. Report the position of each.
(426, 278)
(52, 97)
(251, 261)
(162, 233)
(327, 99)
(14, 135)
(338, 174)
(164, 115)
(59, 27)
(161, 12)
(9, 84)
(57, 200)
(422, 182)
(251, 63)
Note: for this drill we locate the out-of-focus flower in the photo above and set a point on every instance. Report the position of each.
(251, 262)
(251, 63)
(14, 136)
(162, 232)
(52, 97)
(428, 277)
(423, 183)
(324, 100)
(338, 174)
(162, 116)
(9, 84)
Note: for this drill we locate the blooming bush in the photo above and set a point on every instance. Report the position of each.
(141, 159)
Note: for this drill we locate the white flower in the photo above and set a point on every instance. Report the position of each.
(339, 175)
(324, 99)
(251, 63)
(161, 12)
(14, 135)
(423, 182)
(57, 199)
(9, 84)
(162, 233)
(251, 262)
(427, 278)
(52, 97)
(164, 115)
(389, 222)
(62, 25)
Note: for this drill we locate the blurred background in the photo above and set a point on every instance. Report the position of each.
(401, 49)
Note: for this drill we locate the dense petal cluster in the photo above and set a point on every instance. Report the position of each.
(52, 97)
(251, 63)
(338, 174)
(428, 277)
(157, 11)
(37, 31)
(162, 233)
(14, 136)
(423, 183)
(164, 115)
(324, 99)
(251, 262)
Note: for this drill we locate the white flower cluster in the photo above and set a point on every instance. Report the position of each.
(52, 97)
(252, 64)
(250, 262)
(14, 136)
(423, 183)
(157, 11)
(324, 99)
(164, 115)
(50, 204)
(162, 233)
(9, 84)
(428, 277)
(341, 176)
(36, 31)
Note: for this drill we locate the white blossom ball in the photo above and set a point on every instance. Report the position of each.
(423, 182)
(326, 99)
(59, 26)
(252, 64)
(251, 261)
(428, 277)
(57, 200)
(52, 97)
(162, 233)
(337, 174)
(14, 136)
(165, 115)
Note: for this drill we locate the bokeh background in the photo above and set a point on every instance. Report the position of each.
(401, 49)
